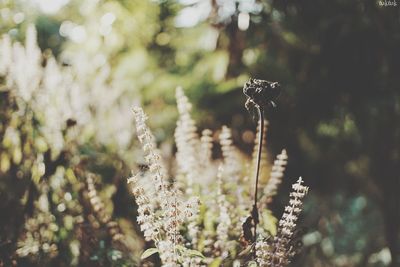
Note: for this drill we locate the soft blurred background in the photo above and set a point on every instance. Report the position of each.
(338, 115)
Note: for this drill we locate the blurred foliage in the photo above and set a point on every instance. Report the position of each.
(338, 115)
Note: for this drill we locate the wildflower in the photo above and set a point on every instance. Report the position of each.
(187, 141)
(278, 251)
(275, 178)
(224, 220)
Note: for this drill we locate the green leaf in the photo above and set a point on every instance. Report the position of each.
(215, 263)
(195, 253)
(180, 248)
(148, 252)
(209, 219)
(270, 222)
(252, 264)
(189, 252)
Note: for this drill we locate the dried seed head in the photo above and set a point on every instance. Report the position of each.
(261, 93)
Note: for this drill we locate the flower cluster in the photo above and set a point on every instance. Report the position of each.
(99, 210)
(229, 154)
(152, 157)
(40, 232)
(187, 142)
(169, 213)
(145, 216)
(224, 220)
(275, 178)
(162, 218)
(278, 251)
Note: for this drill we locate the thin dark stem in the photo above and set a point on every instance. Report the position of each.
(260, 143)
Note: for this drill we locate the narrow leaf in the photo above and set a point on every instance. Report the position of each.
(148, 252)
(195, 253)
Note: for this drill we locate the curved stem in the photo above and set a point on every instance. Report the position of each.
(260, 143)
